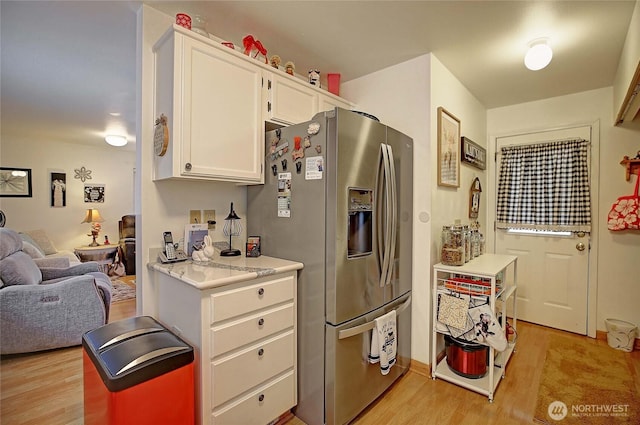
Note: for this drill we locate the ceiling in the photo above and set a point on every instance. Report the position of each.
(68, 68)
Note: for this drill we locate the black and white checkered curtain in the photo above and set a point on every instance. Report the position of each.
(545, 187)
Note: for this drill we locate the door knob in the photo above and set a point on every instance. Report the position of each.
(580, 246)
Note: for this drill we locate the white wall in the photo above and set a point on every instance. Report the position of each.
(618, 281)
(109, 165)
(165, 205)
(451, 203)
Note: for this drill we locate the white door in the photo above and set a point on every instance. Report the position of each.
(553, 270)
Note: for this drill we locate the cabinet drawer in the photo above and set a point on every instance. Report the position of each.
(244, 331)
(246, 299)
(262, 405)
(238, 373)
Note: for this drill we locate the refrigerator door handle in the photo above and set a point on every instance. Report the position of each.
(393, 220)
(356, 330)
(382, 212)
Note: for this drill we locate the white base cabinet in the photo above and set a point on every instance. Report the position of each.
(244, 335)
(487, 267)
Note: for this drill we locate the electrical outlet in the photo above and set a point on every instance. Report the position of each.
(210, 217)
(195, 216)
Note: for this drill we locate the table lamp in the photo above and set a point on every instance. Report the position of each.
(93, 217)
(232, 227)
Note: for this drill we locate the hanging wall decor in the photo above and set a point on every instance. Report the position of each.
(473, 154)
(83, 174)
(58, 189)
(94, 193)
(448, 149)
(15, 182)
(474, 198)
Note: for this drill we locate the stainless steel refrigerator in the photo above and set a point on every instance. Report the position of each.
(338, 197)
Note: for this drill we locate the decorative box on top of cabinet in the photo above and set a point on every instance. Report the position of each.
(244, 334)
(212, 99)
(486, 267)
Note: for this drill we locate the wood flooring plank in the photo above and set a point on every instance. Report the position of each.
(47, 389)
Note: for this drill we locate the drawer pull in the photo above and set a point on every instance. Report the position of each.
(260, 352)
(261, 398)
(261, 322)
(261, 291)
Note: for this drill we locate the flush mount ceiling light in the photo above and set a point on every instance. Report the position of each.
(116, 140)
(539, 54)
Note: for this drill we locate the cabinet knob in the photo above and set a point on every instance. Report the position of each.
(261, 291)
(261, 352)
(261, 322)
(187, 166)
(261, 397)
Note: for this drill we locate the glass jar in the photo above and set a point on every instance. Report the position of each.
(467, 244)
(199, 25)
(452, 253)
(475, 244)
(482, 243)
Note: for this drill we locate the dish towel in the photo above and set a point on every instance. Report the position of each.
(384, 342)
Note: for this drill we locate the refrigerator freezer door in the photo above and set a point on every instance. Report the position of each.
(352, 383)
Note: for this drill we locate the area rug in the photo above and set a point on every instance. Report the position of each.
(123, 288)
(584, 382)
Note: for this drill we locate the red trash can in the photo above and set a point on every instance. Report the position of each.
(137, 372)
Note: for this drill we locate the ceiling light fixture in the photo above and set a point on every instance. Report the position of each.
(539, 54)
(116, 140)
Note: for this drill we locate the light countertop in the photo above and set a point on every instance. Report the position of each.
(219, 271)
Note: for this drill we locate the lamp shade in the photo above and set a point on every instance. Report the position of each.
(538, 56)
(92, 216)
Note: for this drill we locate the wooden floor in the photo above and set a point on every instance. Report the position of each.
(46, 388)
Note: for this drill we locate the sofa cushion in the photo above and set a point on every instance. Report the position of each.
(10, 242)
(41, 239)
(29, 240)
(19, 269)
(31, 250)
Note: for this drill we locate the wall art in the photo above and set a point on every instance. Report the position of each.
(94, 193)
(58, 189)
(15, 182)
(473, 154)
(448, 149)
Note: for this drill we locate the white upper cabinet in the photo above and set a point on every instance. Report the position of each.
(289, 101)
(212, 100)
(217, 101)
(327, 102)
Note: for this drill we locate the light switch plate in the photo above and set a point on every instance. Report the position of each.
(209, 215)
(195, 216)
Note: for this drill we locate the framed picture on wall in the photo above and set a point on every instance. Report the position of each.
(15, 182)
(94, 193)
(473, 154)
(58, 189)
(448, 149)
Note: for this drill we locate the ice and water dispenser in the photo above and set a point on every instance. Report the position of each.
(360, 232)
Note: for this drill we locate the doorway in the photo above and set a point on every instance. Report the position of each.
(554, 284)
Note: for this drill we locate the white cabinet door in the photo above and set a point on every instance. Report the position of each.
(213, 101)
(289, 101)
(327, 103)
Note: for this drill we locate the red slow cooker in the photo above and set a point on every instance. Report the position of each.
(465, 358)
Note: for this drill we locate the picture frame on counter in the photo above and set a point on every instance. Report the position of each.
(448, 149)
(15, 182)
(473, 154)
(253, 246)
